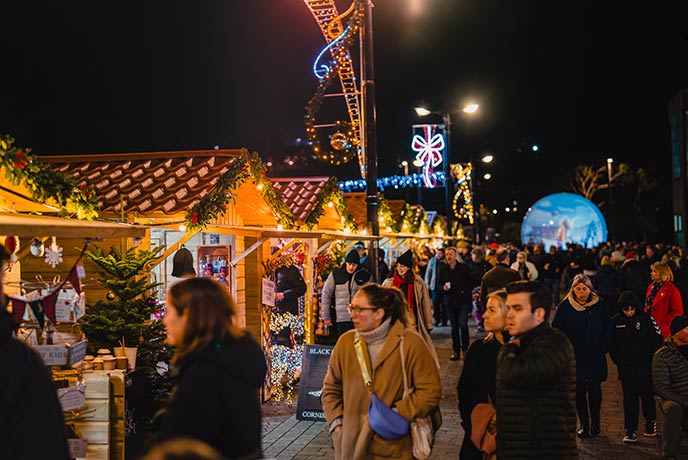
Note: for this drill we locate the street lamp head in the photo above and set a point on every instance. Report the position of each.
(422, 111)
(471, 108)
(418, 163)
(487, 158)
(487, 176)
(404, 163)
(610, 160)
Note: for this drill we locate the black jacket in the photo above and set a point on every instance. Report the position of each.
(31, 421)
(215, 399)
(478, 381)
(536, 387)
(633, 276)
(634, 341)
(606, 284)
(460, 279)
(291, 284)
(496, 278)
(670, 373)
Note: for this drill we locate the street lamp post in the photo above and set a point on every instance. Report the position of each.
(610, 161)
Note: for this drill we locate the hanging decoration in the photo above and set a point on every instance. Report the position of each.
(334, 60)
(246, 166)
(462, 205)
(331, 196)
(53, 254)
(37, 248)
(22, 167)
(429, 148)
(396, 182)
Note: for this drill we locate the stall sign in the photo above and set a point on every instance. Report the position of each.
(315, 362)
(72, 397)
(268, 292)
(77, 352)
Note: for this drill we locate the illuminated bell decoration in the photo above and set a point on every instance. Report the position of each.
(110, 296)
(338, 141)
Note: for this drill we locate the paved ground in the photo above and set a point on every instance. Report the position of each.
(286, 438)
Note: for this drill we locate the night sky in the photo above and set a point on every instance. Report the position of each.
(582, 79)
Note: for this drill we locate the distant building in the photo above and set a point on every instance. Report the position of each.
(678, 124)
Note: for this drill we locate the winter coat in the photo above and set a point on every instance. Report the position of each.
(215, 399)
(339, 289)
(495, 279)
(606, 284)
(291, 284)
(345, 395)
(634, 342)
(670, 373)
(432, 273)
(421, 322)
(460, 279)
(31, 422)
(666, 305)
(589, 332)
(530, 269)
(634, 277)
(536, 387)
(477, 384)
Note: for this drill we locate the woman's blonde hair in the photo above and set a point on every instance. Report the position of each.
(209, 309)
(665, 273)
(500, 295)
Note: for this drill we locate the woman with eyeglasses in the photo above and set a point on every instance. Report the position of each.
(380, 329)
(635, 339)
(663, 299)
(419, 313)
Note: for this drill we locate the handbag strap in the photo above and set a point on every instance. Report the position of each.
(361, 362)
(403, 366)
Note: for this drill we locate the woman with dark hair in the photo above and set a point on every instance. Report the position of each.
(663, 300)
(478, 380)
(419, 314)
(366, 363)
(218, 370)
(585, 320)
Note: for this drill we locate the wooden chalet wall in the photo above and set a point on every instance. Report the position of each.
(253, 275)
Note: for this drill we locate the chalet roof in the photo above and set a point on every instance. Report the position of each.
(301, 194)
(149, 183)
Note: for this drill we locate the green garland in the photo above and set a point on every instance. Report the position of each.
(330, 193)
(44, 183)
(214, 204)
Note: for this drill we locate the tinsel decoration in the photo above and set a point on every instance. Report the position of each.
(214, 204)
(22, 167)
(284, 371)
(343, 152)
(280, 321)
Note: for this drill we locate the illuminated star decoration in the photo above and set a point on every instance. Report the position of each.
(429, 150)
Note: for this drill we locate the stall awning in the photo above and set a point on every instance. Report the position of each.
(31, 226)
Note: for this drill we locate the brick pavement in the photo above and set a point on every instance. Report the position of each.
(285, 438)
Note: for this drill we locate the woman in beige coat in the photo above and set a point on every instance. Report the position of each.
(419, 304)
(379, 319)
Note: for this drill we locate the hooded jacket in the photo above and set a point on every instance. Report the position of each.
(588, 327)
(31, 421)
(670, 373)
(215, 398)
(634, 341)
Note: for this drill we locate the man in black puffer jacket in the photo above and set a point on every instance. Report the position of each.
(670, 376)
(536, 381)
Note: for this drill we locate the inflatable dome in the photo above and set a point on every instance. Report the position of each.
(564, 218)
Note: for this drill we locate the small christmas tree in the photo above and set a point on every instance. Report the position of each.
(126, 315)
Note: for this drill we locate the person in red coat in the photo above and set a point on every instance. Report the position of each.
(663, 300)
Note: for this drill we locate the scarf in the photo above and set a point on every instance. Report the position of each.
(650, 299)
(594, 298)
(401, 283)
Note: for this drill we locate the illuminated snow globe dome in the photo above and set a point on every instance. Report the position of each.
(562, 218)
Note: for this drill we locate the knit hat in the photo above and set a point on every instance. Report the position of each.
(629, 298)
(630, 255)
(183, 264)
(678, 324)
(581, 278)
(406, 259)
(353, 257)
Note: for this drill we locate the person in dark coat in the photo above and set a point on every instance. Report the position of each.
(552, 268)
(633, 276)
(455, 281)
(288, 288)
(497, 277)
(606, 282)
(670, 378)
(31, 422)
(478, 381)
(635, 338)
(536, 381)
(585, 320)
(218, 371)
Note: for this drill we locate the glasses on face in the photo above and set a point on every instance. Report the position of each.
(351, 309)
